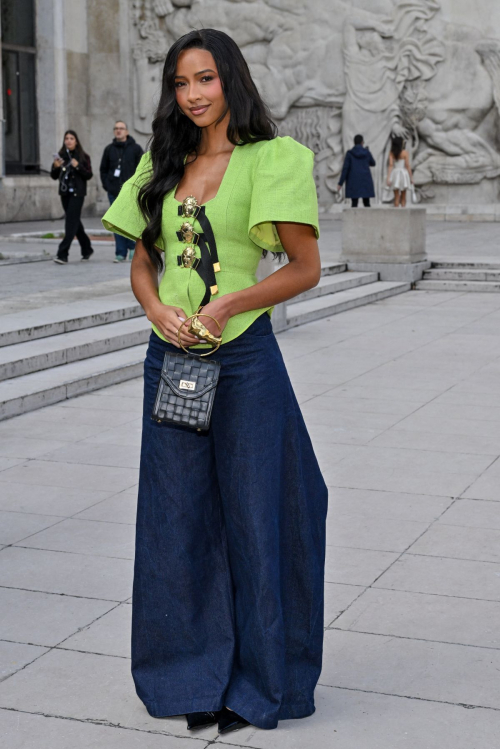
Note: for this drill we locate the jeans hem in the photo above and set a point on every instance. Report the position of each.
(183, 707)
(285, 712)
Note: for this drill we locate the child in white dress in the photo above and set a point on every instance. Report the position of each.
(399, 175)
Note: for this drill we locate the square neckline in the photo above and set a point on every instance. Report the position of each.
(221, 185)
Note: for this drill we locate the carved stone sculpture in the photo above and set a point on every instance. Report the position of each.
(333, 68)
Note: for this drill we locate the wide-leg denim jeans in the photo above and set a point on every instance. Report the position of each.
(229, 568)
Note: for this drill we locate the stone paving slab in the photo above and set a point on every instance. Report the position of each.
(18, 526)
(443, 577)
(456, 542)
(15, 656)
(355, 566)
(44, 618)
(118, 509)
(77, 536)
(66, 574)
(473, 514)
(424, 617)
(411, 668)
(48, 500)
(47, 473)
(25, 731)
(108, 635)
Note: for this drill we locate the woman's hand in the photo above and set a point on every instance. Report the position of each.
(74, 163)
(58, 163)
(218, 308)
(168, 320)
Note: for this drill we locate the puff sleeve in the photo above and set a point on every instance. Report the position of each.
(283, 190)
(124, 215)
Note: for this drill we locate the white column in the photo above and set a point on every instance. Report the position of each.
(51, 77)
(2, 116)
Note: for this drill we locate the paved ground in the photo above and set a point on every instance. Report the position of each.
(402, 399)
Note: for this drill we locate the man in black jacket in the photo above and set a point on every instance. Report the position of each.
(119, 162)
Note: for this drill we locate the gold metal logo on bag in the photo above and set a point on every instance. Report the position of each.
(188, 257)
(187, 385)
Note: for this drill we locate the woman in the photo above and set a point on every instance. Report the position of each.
(73, 170)
(228, 586)
(399, 174)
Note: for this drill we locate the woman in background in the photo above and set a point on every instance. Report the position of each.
(399, 175)
(73, 170)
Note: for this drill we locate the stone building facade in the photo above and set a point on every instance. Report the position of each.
(427, 69)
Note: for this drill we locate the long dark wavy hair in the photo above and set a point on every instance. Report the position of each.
(79, 153)
(397, 146)
(175, 136)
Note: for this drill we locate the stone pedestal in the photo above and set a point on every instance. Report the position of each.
(390, 241)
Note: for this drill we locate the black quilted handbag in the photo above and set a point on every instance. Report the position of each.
(187, 388)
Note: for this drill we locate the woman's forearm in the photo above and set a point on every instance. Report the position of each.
(287, 282)
(144, 281)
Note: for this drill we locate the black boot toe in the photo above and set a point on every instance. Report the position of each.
(230, 721)
(201, 720)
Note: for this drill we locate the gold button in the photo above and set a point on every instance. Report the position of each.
(188, 257)
(189, 205)
(187, 231)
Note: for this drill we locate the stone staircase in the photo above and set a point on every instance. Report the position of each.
(461, 276)
(50, 354)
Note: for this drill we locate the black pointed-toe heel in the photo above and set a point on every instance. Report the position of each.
(201, 720)
(230, 721)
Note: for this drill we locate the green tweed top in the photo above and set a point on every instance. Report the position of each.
(264, 182)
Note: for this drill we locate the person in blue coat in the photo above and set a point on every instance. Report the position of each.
(357, 175)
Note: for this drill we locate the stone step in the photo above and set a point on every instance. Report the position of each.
(316, 309)
(331, 269)
(55, 351)
(335, 283)
(458, 274)
(65, 318)
(466, 265)
(484, 286)
(33, 391)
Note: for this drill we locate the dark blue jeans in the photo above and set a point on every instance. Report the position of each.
(230, 548)
(122, 244)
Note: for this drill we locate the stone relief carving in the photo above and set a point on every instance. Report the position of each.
(337, 68)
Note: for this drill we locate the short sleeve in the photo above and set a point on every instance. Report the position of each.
(283, 190)
(124, 215)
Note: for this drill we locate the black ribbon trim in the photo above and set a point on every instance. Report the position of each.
(194, 264)
(207, 229)
(195, 240)
(206, 272)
